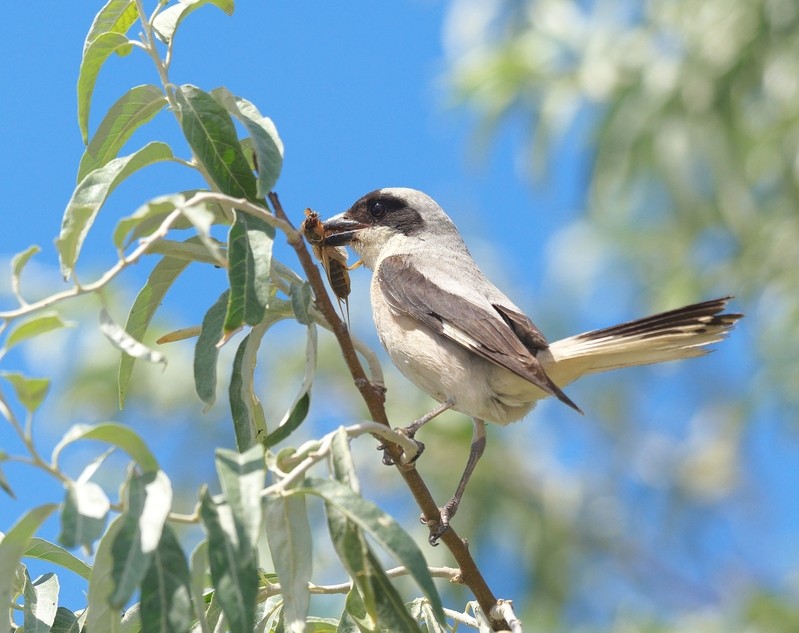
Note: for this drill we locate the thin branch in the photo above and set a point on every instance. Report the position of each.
(108, 276)
(503, 610)
(374, 398)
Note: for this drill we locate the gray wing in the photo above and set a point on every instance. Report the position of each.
(510, 341)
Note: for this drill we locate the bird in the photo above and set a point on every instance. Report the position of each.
(460, 339)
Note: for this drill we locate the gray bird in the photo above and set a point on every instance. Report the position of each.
(461, 340)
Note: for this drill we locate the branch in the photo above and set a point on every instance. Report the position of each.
(109, 275)
(374, 398)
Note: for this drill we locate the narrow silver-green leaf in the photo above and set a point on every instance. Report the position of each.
(301, 298)
(97, 51)
(12, 546)
(248, 414)
(168, 21)
(31, 392)
(355, 618)
(249, 271)
(5, 486)
(41, 602)
(35, 326)
(84, 515)
(234, 569)
(165, 590)
(343, 465)
(212, 136)
(65, 622)
(242, 477)
(132, 110)
(289, 536)
(17, 264)
(91, 193)
(142, 312)
(147, 218)
(199, 582)
(124, 342)
(191, 250)
(116, 434)
(391, 611)
(45, 550)
(298, 409)
(266, 143)
(117, 16)
(206, 352)
(382, 527)
(149, 499)
(101, 615)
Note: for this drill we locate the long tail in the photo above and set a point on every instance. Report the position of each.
(682, 333)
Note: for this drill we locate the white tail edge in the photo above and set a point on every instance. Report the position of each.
(682, 333)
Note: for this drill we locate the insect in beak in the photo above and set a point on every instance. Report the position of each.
(333, 260)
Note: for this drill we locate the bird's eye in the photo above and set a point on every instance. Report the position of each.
(377, 209)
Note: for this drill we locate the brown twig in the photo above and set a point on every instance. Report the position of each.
(374, 397)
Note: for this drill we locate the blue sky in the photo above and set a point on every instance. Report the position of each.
(357, 91)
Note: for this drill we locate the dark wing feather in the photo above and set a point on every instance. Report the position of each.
(510, 341)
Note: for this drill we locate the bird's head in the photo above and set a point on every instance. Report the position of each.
(389, 221)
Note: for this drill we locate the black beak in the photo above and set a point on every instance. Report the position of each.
(340, 230)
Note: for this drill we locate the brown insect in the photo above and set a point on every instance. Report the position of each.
(332, 258)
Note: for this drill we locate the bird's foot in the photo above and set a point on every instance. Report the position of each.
(388, 460)
(439, 525)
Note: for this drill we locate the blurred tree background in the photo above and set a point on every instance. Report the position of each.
(682, 117)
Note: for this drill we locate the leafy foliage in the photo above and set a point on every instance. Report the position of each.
(140, 578)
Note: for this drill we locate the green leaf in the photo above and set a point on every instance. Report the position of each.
(147, 218)
(5, 485)
(124, 342)
(95, 53)
(242, 477)
(17, 264)
(65, 622)
(91, 193)
(391, 611)
(191, 250)
(355, 618)
(45, 550)
(199, 581)
(289, 536)
(382, 527)
(302, 401)
(212, 136)
(266, 143)
(132, 110)
(301, 298)
(84, 515)
(142, 312)
(234, 569)
(206, 352)
(116, 434)
(31, 392)
(41, 600)
(12, 546)
(149, 499)
(117, 16)
(168, 21)
(343, 466)
(248, 414)
(249, 271)
(40, 324)
(165, 590)
(101, 615)
(293, 421)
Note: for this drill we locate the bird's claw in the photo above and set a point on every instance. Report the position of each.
(437, 526)
(388, 460)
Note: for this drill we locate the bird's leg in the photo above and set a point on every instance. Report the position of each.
(411, 430)
(449, 509)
